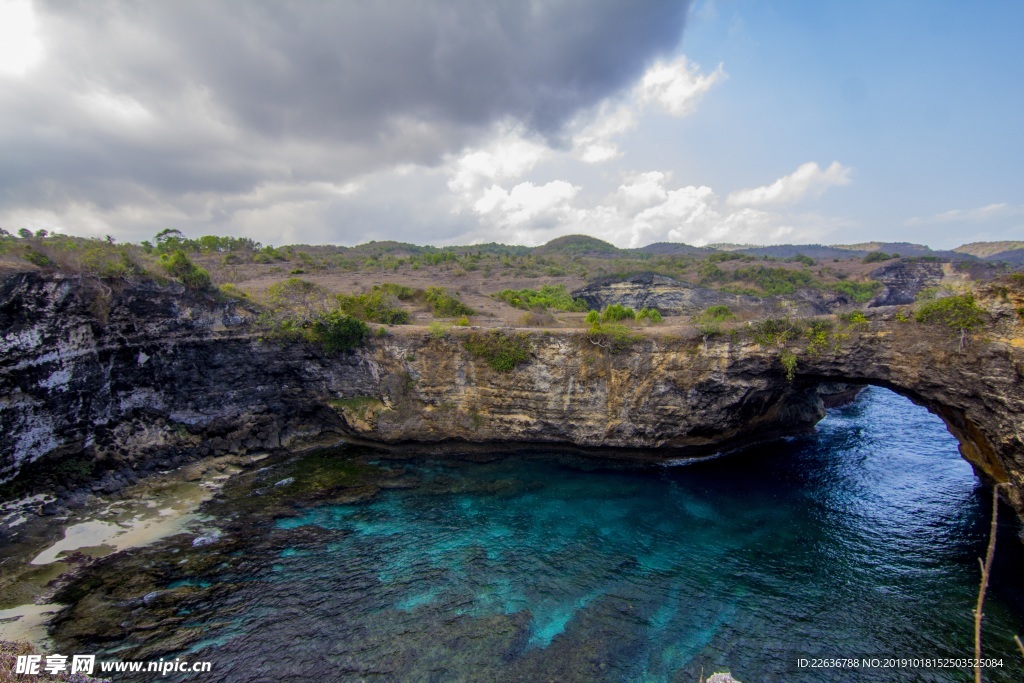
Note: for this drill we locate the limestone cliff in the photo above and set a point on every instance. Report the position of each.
(142, 373)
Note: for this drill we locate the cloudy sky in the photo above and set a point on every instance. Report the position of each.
(459, 121)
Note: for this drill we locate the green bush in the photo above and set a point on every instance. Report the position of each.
(854, 318)
(333, 331)
(818, 334)
(876, 256)
(549, 296)
(614, 313)
(715, 314)
(438, 329)
(788, 359)
(379, 306)
(774, 281)
(36, 258)
(109, 261)
(651, 314)
(336, 332)
(445, 304)
(859, 292)
(958, 312)
(502, 351)
(613, 336)
(593, 318)
(401, 292)
(178, 265)
(774, 331)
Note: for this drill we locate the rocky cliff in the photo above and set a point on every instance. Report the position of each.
(137, 374)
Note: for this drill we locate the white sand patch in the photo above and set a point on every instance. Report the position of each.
(26, 622)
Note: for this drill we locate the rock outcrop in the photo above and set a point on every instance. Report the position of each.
(903, 280)
(146, 372)
(673, 297)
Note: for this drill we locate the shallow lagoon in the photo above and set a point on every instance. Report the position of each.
(859, 540)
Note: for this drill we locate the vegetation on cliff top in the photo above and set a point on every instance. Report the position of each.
(549, 296)
(502, 351)
(958, 312)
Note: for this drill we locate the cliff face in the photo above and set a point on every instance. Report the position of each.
(145, 372)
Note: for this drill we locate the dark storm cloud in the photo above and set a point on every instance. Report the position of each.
(171, 98)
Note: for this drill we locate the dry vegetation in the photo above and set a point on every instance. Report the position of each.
(390, 282)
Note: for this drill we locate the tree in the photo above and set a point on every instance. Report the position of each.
(167, 238)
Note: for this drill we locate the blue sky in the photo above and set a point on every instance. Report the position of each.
(459, 122)
(920, 99)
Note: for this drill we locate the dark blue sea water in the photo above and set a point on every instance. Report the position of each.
(860, 540)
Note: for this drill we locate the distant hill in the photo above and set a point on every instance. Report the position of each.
(986, 249)
(906, 249)
(578, 245)
(1006, 251)
(674, 249)
(790, 250)
(1011, 256)
(901, 248)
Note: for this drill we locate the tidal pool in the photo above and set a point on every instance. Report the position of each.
(860, 540)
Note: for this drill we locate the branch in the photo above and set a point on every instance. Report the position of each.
(986, 568)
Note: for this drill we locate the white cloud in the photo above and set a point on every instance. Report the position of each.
(20, 47)
(593, 141)
(806, 181)
(677, 86)
(506, 156)
(643, 209)
(526, 201)
(982, 213)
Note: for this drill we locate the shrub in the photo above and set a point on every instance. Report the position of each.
(36, 258)
(298, 296)
(333, 331)
(438, 329)
(233, 292)
(958, 312)
(854, 318)
(178, 265)
(818, 334)
(379, 306)
(445, 304)
(549, 296)
(717, 314)
(800, 258)
(109, 261)
(615, 312)
(876, 256)
(859, 292)
(774, 331)
(401, 292)
(788, 359)
(593, 318)
(502, 351)
(462, 322)
(650, 314)
(612, 336)
(337, 332)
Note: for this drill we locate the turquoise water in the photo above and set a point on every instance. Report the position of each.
(859, 540)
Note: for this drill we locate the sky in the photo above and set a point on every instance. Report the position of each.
(458, 122)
